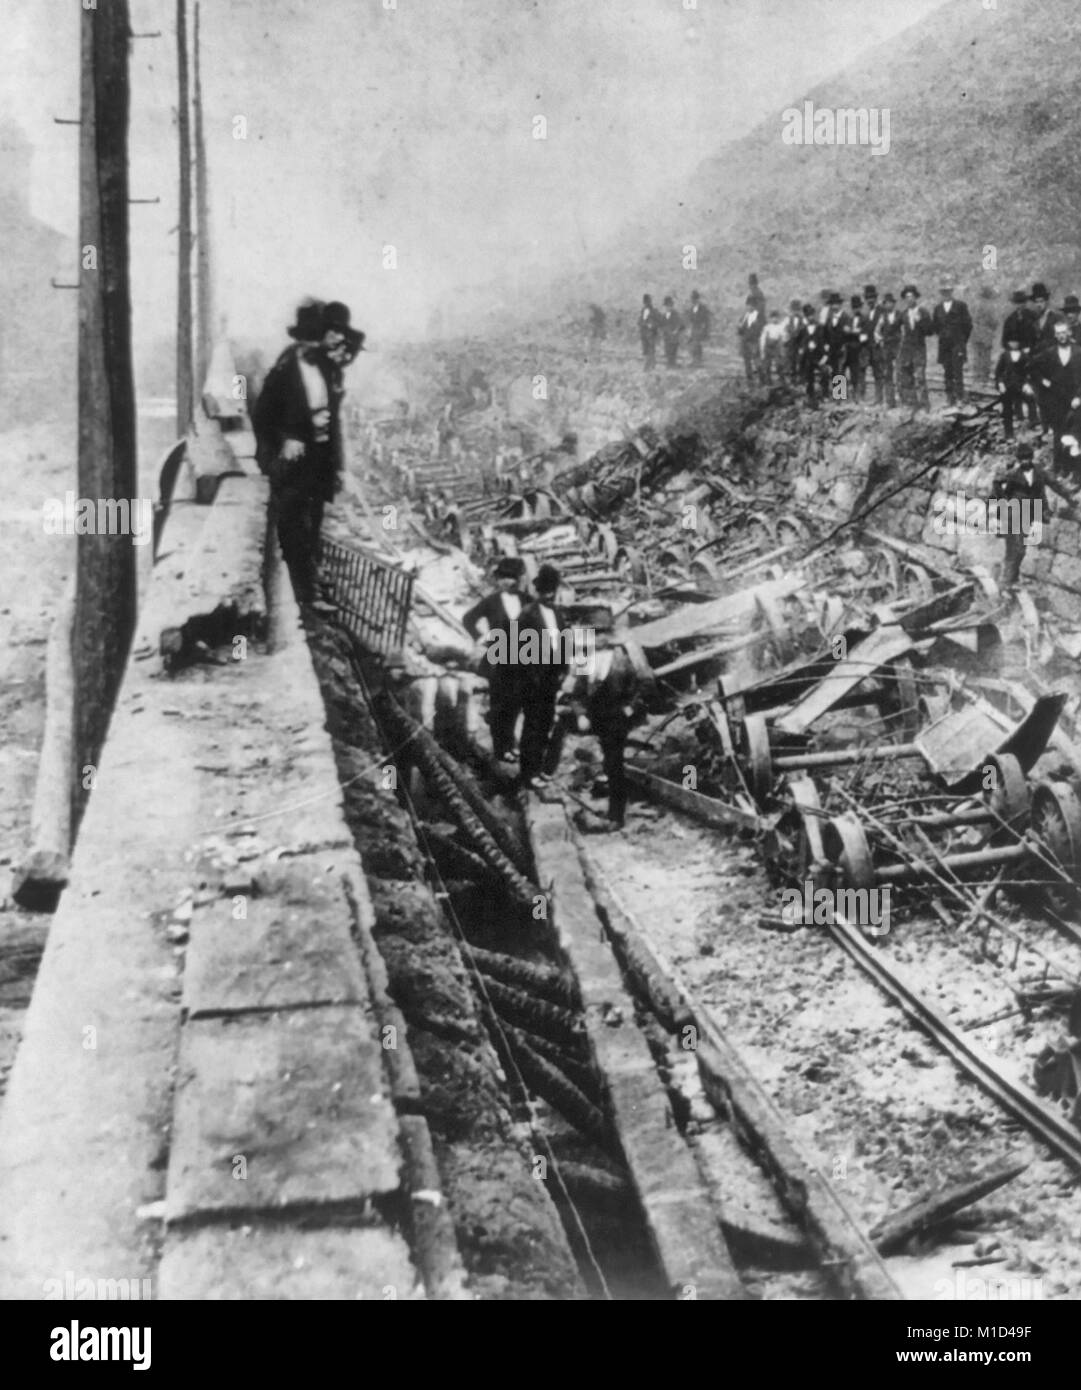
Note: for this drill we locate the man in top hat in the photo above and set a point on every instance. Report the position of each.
(671, 329)
(916, 327)
(542, 644)
(886, 347)
(1071, 310)
(1044, 317)
(1056, 374)
(649, 325)
(1013, 373)
(700, 319)
(1025, 483)
(750, 340)
(952, 323)
(604, 693)
(298, 433)
(858, 347)
(835, 337)
(1020, 325)
(812, 357)
(499, 612)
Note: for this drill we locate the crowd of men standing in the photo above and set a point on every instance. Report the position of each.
(841, 349)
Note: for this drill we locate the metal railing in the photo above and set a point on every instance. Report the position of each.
(374, 594)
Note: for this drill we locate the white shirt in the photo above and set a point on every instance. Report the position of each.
(315, 388)
(512, 605)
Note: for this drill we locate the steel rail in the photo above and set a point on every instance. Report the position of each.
(974, 1060)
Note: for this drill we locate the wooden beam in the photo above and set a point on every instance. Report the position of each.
(185, 393)
(105, 595)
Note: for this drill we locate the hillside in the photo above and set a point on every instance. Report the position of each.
(984, 128)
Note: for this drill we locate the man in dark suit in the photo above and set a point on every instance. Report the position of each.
(699, 318)
(1044, 317)
(498, 613)
(1020, 324)
(952, 322)
(835, 337)
(1014, 386)
(1071, 309)
(813, 359)
(603, 695)
(671, 331)
(543, 665)
(916, 327)
(857, 348)
(886, 346)
(1056, 373)
(297, 422)
(649, 325)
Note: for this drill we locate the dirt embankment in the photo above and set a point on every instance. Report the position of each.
(508, 1230)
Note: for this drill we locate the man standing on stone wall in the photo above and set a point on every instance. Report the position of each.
(298, 432)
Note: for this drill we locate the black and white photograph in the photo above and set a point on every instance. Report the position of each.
(540, 662)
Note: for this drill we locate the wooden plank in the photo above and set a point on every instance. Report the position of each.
(686, 1231)
(883, 645)
(693, 619)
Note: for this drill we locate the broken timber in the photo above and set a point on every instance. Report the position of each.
(845, 1253)
(847, 1256)
(694, 619)
(687, 1235)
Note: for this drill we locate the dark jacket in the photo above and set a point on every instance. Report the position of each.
(491, 609)
(546, 674)
(835, 337)
(1044, 329)
(608, 703)
(914, 335)
(953, 327)
(649, 323)
(1020, 325)
(700, 320)
(671, 324)
(282, 412)
(887, 331)
(1011, 375)
(1063, 382)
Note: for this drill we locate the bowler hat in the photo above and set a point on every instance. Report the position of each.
(910, 289)
(309, 321)
(548, 580)
(857, 302)
(336, 316)
(808, 310)
(1019, 297)
(1040, 291)
(835, 298)
(1025, 451)
(869, 292)
(1071, 304)
(889, 298)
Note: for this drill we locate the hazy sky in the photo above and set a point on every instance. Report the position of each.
(413, 127)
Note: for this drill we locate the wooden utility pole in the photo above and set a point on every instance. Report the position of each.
(206, 326)
(105, 588)
(185, 395)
